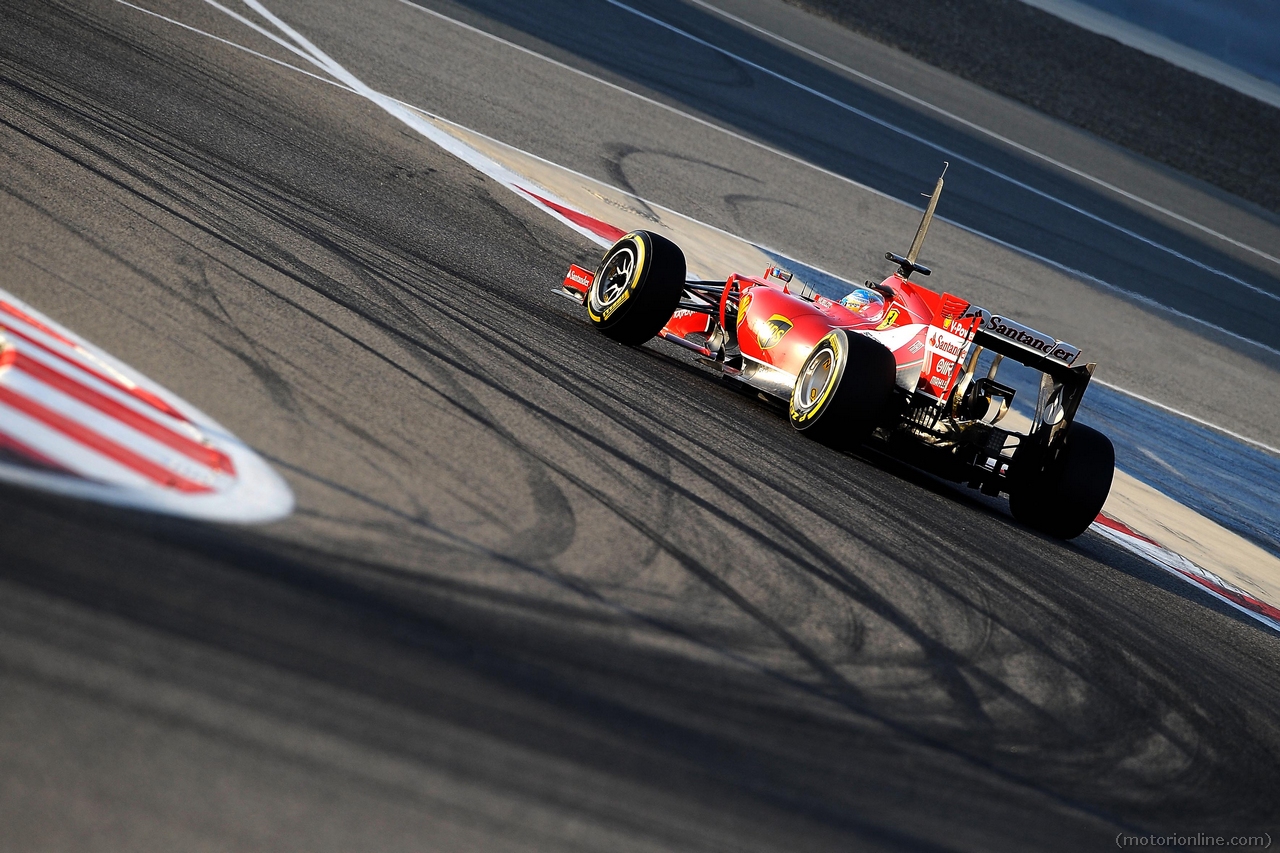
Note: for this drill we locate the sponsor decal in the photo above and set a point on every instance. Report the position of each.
(1019, 333)
(916, 347)
(743, 305)
(772, 331)
(1024, 336)
(682, 312)
(608, 312)
(579, 277)
(1064, 352)
(946, 349)
(942, 345)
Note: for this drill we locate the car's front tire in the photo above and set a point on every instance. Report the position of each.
(637, 287)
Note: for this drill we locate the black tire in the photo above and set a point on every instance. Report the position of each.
(1062, 497)
(637, 287)
(843, 390)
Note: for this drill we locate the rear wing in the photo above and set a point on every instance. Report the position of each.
(1063, 381)
(963, 331)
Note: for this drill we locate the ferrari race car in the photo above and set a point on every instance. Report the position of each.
(893, 364)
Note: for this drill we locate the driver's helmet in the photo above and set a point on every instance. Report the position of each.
(864, 303)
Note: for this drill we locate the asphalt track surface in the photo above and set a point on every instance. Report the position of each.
(541, 592)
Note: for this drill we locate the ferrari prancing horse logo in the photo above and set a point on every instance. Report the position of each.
(772, 330)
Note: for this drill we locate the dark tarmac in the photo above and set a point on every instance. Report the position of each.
(541, 592)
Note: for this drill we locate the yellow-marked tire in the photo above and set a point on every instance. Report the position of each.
(637, 287)
(843, 390)
(1061, 497)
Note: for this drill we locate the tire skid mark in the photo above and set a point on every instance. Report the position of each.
(463, 144)
(1122, 716)
(1106, 285)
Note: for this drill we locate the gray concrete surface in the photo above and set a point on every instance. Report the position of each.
(1226, 48)
(1239, 32)
(1086, 79)
(736, 186)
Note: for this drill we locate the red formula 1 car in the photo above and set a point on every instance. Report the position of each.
(893, 364)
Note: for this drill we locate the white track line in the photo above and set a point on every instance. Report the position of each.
(247, 50)
(653, 102)
(264, 32)
(1152, 43)
(1201, 421)
(1186, 570)
(1145, 300)
(398, 110)
(305, 49)
(947, 152)
(455, 143)
(987, 132)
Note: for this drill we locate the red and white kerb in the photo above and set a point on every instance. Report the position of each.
(75, 421)
(1179, 566)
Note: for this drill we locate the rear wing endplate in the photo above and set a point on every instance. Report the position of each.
(1063, 380)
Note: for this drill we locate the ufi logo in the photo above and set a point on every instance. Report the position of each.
(772, 330)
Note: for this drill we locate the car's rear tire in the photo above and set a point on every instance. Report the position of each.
(637, 287)
(1062, 497)
(843, 389)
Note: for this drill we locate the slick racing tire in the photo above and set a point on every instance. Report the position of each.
(637, 287)
(843, 390)
(1062, 497)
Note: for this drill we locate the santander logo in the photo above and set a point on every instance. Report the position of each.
(937, 342)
